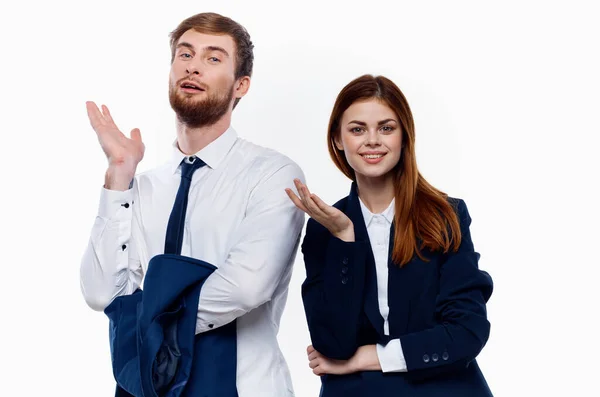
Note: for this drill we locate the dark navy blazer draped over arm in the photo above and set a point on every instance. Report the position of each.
(154, 348)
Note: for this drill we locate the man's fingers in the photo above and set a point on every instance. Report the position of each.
(136, 135)
(107, 115)
(96, 118)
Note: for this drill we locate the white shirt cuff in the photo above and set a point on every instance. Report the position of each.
(111, 203)
(391, 357)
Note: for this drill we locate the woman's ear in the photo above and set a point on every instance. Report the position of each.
(338, 143)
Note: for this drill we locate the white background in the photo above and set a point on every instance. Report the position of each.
(505, 99)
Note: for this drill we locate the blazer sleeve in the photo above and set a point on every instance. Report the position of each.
(332, 292)
(462, 328)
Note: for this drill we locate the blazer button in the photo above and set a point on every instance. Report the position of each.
(435, 357)
(345, 270)
(445, 356)
(344, 280)
(345, 261)
(426, 358)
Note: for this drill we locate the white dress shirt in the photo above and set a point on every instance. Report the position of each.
(391, 356)
(239, 219)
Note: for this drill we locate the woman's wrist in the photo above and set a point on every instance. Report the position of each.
(346, 235)
(365, 359)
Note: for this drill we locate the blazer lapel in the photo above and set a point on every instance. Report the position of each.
(371, 305)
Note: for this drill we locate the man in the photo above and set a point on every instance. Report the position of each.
(238, 216)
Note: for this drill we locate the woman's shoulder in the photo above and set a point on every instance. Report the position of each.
(460, 207)
(462, 212)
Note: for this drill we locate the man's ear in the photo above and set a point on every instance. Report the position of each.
(242, 86)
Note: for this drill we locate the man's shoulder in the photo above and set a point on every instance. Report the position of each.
(263, 157)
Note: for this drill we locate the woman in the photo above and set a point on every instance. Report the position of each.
(394, 299)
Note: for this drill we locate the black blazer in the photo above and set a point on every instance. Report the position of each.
(437, 310)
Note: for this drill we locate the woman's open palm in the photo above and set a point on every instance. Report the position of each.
(330, 217)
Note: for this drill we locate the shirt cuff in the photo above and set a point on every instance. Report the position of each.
(115, 204)
(391, 357)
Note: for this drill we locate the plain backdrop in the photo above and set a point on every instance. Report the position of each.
(505, 100)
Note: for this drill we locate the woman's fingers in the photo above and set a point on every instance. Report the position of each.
(304, 193)
(299, 188)
(314, 206)
(297, 202)
(323, 206)
(311, 205)
(318, 370)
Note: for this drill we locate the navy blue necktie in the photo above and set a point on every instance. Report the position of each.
(174, 237)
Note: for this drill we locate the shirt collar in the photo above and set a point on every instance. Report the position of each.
(213, 154)
(388, 213)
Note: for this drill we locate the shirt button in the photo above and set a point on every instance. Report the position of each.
(445, 356)
(126, 205)
(344, 280)
(210, 325)
(123, 247)
(435, 357)
(345, 261)
(345, 270)
(426, 358)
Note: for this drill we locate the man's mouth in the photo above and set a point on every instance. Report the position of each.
(191, 87)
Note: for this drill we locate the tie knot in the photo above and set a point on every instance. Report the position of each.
(189, 165)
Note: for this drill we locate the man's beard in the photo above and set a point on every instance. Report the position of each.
(200, 113)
